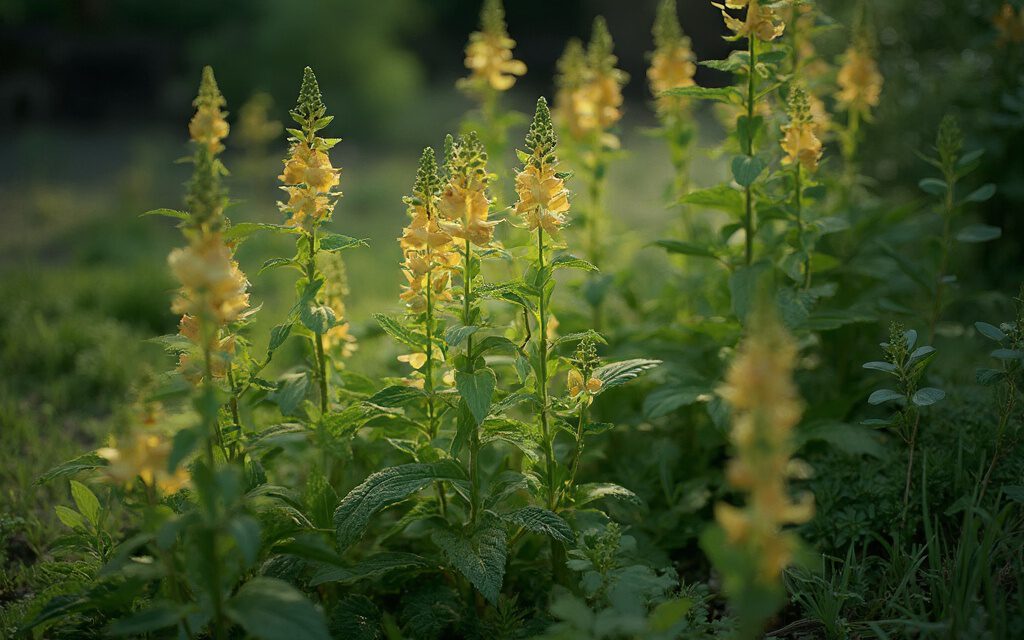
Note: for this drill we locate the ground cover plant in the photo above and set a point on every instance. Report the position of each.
(794, 411)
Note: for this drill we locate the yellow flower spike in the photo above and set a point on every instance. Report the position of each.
(339, 337)
(463, 205)
(589, 98)
(673, 63)
(766, 408)
(489, 53)
(1009, 24)
(208, 126)
(800, 140)
(860, 82)
(543, 199)
(145, 455)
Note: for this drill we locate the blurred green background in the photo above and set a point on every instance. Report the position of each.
(94, 104)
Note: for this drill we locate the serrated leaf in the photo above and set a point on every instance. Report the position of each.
(619, 373)
(457, 334)
(272, 609)
(291, 391)
(480, 557)
(927, 396)
(84, 462)
(318, 318)
(86, 501)
(476, 389)
(400, 332)
(355, 617)
(384, 489)
(375, 566)
(276, 262)
(883, 395)
(278, 335)
(339, 242)
(587, 493)
(541, 520)
(396, 396)
(571, 262)
(978, 233)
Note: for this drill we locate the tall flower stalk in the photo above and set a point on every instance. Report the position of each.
(543, 204)
(859, 91)
(749, 545)
(673, 65)
(310, 183)
(759, 24)
(464, 207)
(803, 152)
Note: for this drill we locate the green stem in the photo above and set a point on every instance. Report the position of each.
(595, 249)
(542, 380)
(209, 549)
(947, 223)
(321, 360)
(474, 436)
(748, 217)
(428, 381)
(799, 205)
(577, 453)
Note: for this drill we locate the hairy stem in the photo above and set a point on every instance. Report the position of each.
(748, 215)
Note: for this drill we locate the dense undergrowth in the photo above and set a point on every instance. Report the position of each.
(797, 415)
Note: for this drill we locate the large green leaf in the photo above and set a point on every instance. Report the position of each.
(384, 489)
(618, 373)
(272, 609)
(476, 389)
(400, 332)
(480, 557)
(541, 520)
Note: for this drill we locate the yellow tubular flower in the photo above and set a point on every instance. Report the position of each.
(760, 22)
(589, 98)
(860, 83)
(489, 53)
(766, 408)
(800, 141)
(213, 286)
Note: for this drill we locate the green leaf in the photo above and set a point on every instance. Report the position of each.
(988, 377)
(153, 618)
(355, 617)
(84, 462)
(278, 335)
(384, 489)
(476, 389)
(722, 197)
(727, 95)
(927, 396)
(169, 213)
(317, 318)
(272, 609)
(587, 493)
(291, 391)
(991, 332)
(243, 230)
(1007, 354)
(664, 401)
(744, 284)
(933, 186)
(883, 395)
(86, 501)
(687, 248)
(880, 366)
(746, 169)
(852, 439)
(400, 332)
(396, 396)
(618, 373)
(668, 614)
(541, 520)
(978, 233)
(373, 567)
(338, 242)
(982, 193)
(70, 517)
(480, 557)
(571, 262)
(455, 335)
(246, 533)
(277, 262)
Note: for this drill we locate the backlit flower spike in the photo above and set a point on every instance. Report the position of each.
(859, 80)
(607, 80)
(308, 175)
(144, 454)
(673, 63)
(464, 206)
(581, 380)
(427, 249)
(760, 21)
(339, 338)
(543, 199)
(1009, 24)
(570, 77)
(800, 141)
(766, 409)
(206, 197)
(489, 53)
